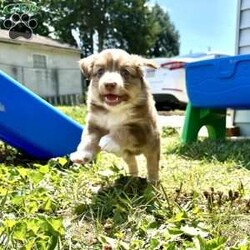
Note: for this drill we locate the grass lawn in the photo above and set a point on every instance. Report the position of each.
(203, 201)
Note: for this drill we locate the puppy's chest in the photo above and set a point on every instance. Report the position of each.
(111, 120)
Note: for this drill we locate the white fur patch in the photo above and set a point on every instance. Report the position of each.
(111, 77)
(114, 118)
(109, 145)
(81, 156)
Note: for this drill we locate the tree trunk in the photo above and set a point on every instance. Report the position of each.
(100, 40)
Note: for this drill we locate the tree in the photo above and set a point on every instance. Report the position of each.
(131, 26)
(167, 40)
(59, 17)
(85, 17)
(128, 24)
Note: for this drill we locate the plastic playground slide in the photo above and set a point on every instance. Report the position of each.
(32, 125)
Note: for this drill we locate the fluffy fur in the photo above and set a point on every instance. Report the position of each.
(121, 118)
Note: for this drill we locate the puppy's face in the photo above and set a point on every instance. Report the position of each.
(116, 77)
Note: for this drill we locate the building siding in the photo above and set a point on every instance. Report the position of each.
(243, 27)
(61, 77)
(242, 117)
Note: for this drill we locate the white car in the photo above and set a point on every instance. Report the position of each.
(168, 83)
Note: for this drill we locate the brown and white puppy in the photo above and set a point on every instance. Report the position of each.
(121, 118)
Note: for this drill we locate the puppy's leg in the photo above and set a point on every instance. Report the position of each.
(131, 162)
(88, 147)
(86, 150)
(128, 137)
(108, 144)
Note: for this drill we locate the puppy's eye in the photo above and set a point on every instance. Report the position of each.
(125, 73)
(100, 72)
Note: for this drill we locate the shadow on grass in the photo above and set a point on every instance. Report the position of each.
(121, 199)
(222, 151)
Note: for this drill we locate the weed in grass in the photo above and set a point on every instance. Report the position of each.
(167, 131)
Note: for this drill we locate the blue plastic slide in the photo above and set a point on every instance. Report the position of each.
(32, 125)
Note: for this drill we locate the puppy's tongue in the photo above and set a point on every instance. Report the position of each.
(112, 99)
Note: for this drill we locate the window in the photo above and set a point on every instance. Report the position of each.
(39, 61)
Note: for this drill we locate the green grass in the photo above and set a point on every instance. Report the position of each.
(203, 201)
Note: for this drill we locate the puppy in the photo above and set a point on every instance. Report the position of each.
(121, 118)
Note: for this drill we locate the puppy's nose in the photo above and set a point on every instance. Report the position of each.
(110, 85)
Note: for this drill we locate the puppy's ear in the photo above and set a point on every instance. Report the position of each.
(86, 65)
(140, 61)
(149, 63)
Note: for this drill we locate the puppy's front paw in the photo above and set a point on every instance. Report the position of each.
(81, 157)
(108, 144)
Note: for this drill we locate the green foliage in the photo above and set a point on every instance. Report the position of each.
(167, 38)
(78, 113)
(167, 131)
(202, 202)
(131, 25)
(28, 204)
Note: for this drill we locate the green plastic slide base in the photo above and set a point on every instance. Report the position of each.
(195, 118)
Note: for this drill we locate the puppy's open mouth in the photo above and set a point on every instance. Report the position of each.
(112, 99)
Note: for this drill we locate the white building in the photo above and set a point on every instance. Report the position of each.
(242, 117)
(47, 67)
